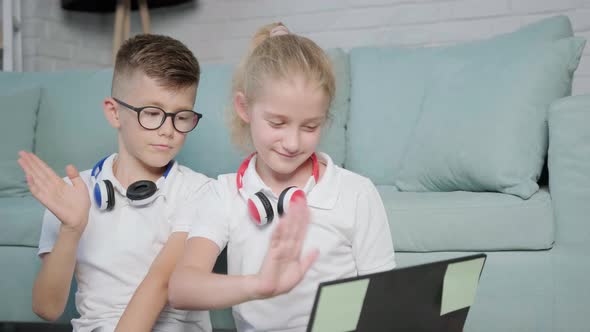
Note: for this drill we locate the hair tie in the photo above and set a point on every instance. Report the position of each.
(279, 30)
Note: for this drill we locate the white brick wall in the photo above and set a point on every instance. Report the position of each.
(219, 30)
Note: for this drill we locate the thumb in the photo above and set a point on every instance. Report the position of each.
(74, 175)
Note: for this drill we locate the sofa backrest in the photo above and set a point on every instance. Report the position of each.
(71, 128)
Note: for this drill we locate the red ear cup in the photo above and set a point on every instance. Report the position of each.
(286, 197)
(260, 209)
(253, 211)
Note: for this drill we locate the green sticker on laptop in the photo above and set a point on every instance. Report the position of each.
(340, 305)
(460, 285)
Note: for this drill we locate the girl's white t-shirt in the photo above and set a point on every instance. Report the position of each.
(348, 225)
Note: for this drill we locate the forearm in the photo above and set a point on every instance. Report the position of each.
(145, 306)
(52, 286)
(193, 288)
(151, 295)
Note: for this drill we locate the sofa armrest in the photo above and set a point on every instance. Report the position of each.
(569, 168)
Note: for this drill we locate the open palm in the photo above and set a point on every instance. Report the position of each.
(69, 203)
(283, 267)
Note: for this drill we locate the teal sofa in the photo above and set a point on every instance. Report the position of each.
(477, 147)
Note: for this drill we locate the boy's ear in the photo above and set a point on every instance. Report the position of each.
(241, 106)
(109, 107)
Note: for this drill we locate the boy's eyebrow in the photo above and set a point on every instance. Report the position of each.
(160, 105)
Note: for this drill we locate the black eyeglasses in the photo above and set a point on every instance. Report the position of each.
(153, 117)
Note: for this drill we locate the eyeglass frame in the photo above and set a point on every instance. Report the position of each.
(166, 115)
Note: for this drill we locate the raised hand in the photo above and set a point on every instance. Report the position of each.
(69, 203)
(283, 267)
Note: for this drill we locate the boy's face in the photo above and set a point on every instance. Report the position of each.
(153, 148)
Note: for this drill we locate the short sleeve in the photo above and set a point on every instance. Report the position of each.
(49, 232)
(372, 244)
(211, 221)
(185, 213)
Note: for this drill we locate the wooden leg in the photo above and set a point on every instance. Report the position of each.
(127, 28)
(145, 16)
(118, 33)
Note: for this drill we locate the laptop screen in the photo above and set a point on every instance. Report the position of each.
(429, 297)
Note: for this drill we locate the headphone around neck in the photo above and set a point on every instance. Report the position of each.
(259, 205)
(138, 193)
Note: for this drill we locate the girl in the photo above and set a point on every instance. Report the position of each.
(281, 96)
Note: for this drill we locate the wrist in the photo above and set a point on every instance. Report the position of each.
(73, 233)
(251, 287)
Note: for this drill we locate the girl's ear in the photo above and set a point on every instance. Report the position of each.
(241, 106)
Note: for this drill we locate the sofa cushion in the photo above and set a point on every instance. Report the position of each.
(18, 111)
(389, 86)
(71, 127)
(467, 221)
(20, 221)
(483, 124)
(217, 155)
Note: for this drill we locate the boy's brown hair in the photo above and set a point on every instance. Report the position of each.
(162, 58)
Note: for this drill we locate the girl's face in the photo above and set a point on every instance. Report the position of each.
(285, 123)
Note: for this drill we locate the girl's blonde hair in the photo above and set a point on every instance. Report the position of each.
(277, 57)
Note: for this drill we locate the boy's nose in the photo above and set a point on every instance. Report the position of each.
(167, 128)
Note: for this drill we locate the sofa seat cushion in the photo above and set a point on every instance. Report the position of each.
(20, 221)
(468, 221)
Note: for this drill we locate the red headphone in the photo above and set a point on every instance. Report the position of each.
(259, 206)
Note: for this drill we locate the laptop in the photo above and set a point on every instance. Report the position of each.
(429, 297)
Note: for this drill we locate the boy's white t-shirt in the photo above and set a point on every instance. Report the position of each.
(348, 225)
(118, 247)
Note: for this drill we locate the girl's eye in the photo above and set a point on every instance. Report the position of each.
(310, 128)
(275, 124)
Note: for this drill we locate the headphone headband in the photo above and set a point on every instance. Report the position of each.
(315, 169)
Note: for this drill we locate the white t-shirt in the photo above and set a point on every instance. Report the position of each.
(118, 247)
(348, 225)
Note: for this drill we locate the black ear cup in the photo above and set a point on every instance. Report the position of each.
(141, 190)
(110, 195)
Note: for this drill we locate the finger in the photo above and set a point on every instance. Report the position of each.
(37, 191)
(44, 168)
(277, 235)
(294, 219)
(301, 219)
(289, 225)
(33, 169)
(33, 188)
(308, 260)
(24, 164)
(298, 215)
(74, 176)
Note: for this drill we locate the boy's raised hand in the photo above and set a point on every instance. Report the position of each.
(283, 268)
(69, 203)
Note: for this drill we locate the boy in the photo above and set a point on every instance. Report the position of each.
(114, 226)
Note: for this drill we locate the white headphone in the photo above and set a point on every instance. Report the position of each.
(139, 193)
